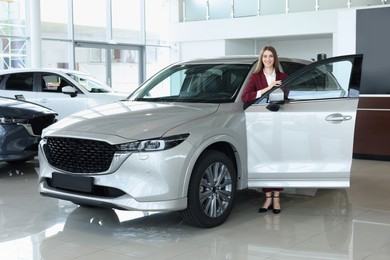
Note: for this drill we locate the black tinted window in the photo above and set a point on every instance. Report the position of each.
(321, 82)
(20, 81)
(291, 67)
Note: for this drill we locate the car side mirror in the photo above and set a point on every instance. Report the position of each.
(69, 90)
(276, 98)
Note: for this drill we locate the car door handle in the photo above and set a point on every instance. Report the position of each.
(337, 118)
(44, 100)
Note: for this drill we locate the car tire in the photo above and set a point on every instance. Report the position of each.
(211, 190)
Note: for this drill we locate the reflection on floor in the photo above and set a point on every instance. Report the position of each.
(349, 223)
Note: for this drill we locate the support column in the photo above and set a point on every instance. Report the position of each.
(35, 34)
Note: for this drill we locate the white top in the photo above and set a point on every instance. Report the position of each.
(270, 78)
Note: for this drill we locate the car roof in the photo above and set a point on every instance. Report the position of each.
(243, 59)
(240, 59)
(53, 70)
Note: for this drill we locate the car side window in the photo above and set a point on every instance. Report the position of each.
(53, 82)
(20, 81)
(291, 67)
(321, 82)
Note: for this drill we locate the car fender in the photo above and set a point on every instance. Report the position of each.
(240, 156)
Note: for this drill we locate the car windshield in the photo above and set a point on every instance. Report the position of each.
(90, 84)
(198, 83)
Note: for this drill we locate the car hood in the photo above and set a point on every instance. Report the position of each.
(117, 95)
(129, 120)
(21, 109)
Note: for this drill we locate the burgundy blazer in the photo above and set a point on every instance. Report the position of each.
(258, 81)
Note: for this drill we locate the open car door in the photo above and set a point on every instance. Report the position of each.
(301, 134)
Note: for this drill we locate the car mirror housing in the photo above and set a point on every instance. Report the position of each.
(276, 96)
(69, 90)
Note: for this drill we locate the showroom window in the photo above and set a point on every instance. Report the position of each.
(12, 34)
(195, 10)
(100, 37)
(126, 21)
(56, 53)
(55, 17)
(90, 19)
(157, 30)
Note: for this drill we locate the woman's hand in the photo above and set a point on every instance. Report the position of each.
(276, 83)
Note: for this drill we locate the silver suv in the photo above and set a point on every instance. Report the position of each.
(184, 142)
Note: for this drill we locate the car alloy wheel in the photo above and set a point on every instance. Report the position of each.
(211, 191)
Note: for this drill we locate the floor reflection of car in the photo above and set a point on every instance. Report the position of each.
(64, 91)
(183, 141)
(329, 209)
(21, 125)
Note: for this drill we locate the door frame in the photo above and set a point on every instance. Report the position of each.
(108, 61)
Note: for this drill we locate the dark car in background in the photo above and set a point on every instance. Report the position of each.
(21, 125)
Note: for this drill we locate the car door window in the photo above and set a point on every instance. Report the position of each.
(291, 67)
(321, 82)
(53, 82)
(20, 81)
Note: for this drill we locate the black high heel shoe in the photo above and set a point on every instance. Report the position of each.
(262, 209)
(275, 211)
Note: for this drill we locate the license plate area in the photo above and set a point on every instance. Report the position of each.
(72, 182)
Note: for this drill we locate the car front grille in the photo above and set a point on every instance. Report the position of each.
(79, 155)
(39, 123)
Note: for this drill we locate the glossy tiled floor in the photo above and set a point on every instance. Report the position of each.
(349, 223)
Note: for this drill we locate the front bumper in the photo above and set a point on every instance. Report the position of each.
(16, 143)
(125, 202)
(152, 181)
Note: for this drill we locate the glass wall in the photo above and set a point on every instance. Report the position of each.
(295, 6)
(196, 10)
(126, 21)
(89, 19)
(110, 39)
(13, 36)
(92, 59)
(246, 8)
(156, 58)
(125, 67)
(219, 9)
(272, 7)
(157, 22)
(56, 53)
(56, 18)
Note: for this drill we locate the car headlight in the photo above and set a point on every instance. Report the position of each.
(10, 120)
(151, 145)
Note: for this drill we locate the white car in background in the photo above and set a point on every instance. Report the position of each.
(183, 141)
(63, 91)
